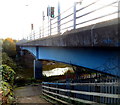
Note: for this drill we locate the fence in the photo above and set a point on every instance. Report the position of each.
(105, 91)
(78, 16)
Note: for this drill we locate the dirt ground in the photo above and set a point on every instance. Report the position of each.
(30, 94)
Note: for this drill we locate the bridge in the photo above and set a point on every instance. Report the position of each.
(95, 46)
(96, 49)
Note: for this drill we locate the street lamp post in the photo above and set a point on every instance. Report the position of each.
(59, 17)
(43, 23)
(74, 25)
(74, 11)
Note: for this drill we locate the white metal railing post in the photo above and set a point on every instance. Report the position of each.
(40, 33)
(43, 24)
(74, 18)
(59, 17)
(50, 26)
(33, 35)
(29, 36)
(118, 9)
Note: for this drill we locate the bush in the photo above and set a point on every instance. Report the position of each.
(6, 60)
(7, 74)
(7, 84)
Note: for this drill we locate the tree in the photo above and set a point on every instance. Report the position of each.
(9, 46)
(8, 61)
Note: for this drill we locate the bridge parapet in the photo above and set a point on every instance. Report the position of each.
(104, 34)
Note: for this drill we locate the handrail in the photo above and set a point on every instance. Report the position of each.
(95, 10)
(63, 23)
(62, 18)
(61, 101)
(84, 92)
(54, 27)
(95, 84)
(68, 97)
(97, 18)
(87, 6)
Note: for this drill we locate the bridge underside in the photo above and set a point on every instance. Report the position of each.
(106, 60)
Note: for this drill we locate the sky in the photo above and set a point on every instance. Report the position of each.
(16, 16)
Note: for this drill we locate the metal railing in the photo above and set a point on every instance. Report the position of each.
(78, 16)
(107, 92)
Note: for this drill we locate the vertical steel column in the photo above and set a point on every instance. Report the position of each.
(34, 67)
(37, 69)
(59, 17)
(74, 18)
(37, 66)
(37, 52)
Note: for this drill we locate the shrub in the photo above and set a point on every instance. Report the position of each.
(7, 84)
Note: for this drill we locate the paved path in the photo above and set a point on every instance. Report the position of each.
(30, 94)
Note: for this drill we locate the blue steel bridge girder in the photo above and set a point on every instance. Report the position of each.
(106, 60)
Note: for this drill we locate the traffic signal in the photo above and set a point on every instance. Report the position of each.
(52, 12)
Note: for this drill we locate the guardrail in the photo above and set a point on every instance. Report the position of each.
(88, 93)
(78, 16)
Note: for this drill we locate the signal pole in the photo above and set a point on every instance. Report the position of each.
(48, 14)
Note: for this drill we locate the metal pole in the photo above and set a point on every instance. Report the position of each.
(74, 18)
(43, 23)
(34, 34)
(48, 18)
(59, 17)
(34, 67)
(31, 35)
(40, 33)
(32, 31)
(50, 26)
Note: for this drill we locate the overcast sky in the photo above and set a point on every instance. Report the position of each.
(16, 16)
